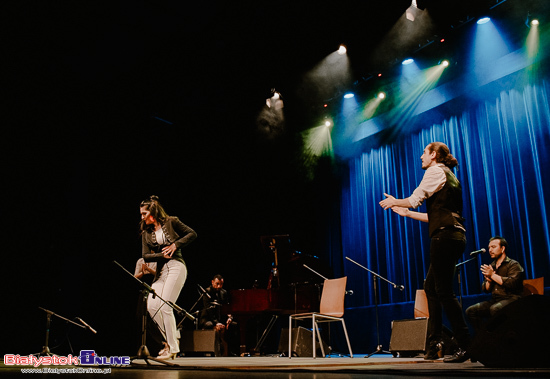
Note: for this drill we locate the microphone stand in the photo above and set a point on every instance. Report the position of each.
(375, 278)
(49, 314)
(459, 271)
(312, 270)
(196, 313)
(143, 352)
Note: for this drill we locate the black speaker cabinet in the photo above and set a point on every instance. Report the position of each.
(408, 337)
(517, 336)
(199, 341)
(301, 343)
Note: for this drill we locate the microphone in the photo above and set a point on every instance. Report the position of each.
(204, 292)
(349, 292)
(86, 325)
(480, 251)
(400, 288)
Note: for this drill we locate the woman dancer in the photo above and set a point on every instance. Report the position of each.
(162, 238)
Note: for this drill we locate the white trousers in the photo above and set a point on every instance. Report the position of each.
(168, 286)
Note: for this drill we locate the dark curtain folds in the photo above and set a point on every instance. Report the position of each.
(501, 144)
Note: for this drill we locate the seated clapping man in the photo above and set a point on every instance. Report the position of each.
(503, 278)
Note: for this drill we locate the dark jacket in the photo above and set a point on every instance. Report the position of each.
(212, 311)
(176, 232)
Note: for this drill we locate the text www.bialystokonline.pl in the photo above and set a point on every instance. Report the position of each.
(76, 370)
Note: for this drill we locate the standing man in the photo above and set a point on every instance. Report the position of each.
(443, 195)
(503, 279)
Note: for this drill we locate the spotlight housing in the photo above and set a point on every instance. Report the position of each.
(531, 20)
(348, 95)
(407, 61)
(483, 20)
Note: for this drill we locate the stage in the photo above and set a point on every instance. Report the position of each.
(379, 365)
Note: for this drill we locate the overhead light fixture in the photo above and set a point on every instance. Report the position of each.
(483, 20)
(407, 61)
(342, 50)
(531, 20)
(275, 99)
(348, 95)
(411, 11)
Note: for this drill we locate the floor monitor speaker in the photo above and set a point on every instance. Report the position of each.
(408, 337)
(199, 341)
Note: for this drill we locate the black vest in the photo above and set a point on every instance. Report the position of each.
(445, 206)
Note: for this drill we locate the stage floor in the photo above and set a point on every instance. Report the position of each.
(379, 365)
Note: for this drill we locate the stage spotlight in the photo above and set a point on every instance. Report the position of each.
(444, 63)
(415, 8)
(317, 140)
(411, 12)
(328, 123)
(274, 100)
(342, 50)
(348, 95)
(531, 20)
(483, 20)
(407, 61)
(533, 39)
(381, 95)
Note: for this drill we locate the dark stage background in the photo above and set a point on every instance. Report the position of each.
(110, 104)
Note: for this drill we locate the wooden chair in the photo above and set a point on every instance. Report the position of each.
(533, 286)
(331, 309)
(421, 305)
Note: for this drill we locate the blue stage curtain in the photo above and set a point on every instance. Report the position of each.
(502, 148)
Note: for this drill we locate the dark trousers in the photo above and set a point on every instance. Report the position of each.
(445, 249)
(230, 336)
(477, 313)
